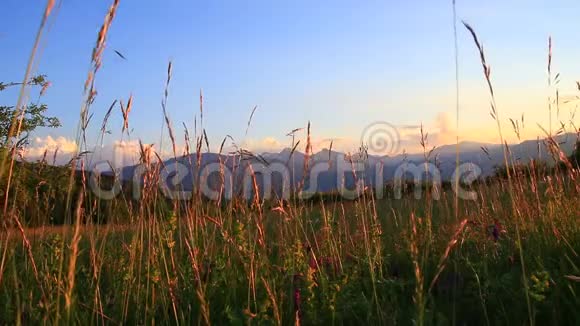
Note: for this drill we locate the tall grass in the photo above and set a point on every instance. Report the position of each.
(437, 260)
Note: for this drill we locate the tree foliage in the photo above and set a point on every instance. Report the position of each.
(33, 115)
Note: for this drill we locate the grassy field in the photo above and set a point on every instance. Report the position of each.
(340, 262)
(508, 257)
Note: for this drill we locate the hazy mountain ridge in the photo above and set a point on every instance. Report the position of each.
(328, 177)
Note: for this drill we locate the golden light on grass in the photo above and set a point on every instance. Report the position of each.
(327, 260)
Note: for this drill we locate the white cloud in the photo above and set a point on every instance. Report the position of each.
(267, 144)
(439, 132)
(273, 145)
(119, 153)
(63, 147)
(123, 152)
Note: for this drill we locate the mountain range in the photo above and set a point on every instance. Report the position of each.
(329, 170)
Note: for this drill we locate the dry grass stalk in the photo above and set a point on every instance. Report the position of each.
(164, 108)
(258, 205)
(96, 61)
(222, 171)
(125, 112)
(28, 247)
(550, 83)
(250, 119)
(107, 116)
(495, 114)
(307, 153)
(273, 300)
(200, 289)
(90, 93)
(456, 61)
(48, 9)
(450, 246)
(16, 125)
(292, 152)
(419, 279)
(102, 36)
(74, 249)
(186, 150)
(171, 135)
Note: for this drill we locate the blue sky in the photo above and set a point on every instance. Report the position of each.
(339, 64)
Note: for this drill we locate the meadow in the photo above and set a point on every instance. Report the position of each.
(326, 261)
(69, 257)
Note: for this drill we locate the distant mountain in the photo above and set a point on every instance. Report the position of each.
(465, 146)
(333, 170)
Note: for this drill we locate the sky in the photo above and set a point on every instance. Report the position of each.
(340, 65)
